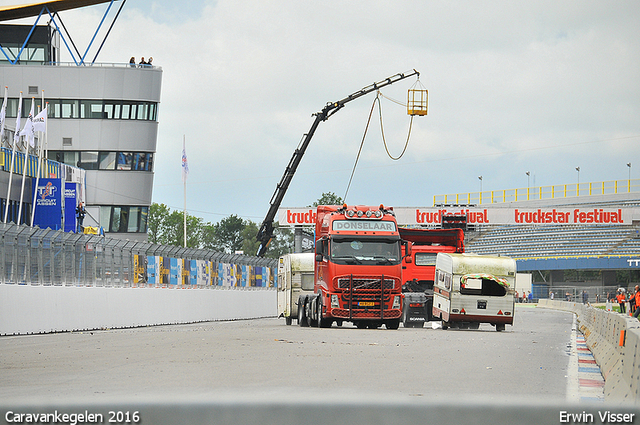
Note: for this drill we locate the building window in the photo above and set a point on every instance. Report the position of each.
(91, 109)
(88, 160)
(124, 160)
(124, 219)
(70, 108)
(107, 161)
(87, 109)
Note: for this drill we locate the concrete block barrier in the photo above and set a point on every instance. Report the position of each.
(26, 309)
(614, 340)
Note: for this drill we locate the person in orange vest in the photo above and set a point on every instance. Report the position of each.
(621, 300)
(637, 302)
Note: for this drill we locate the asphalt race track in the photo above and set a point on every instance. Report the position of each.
(266, 357)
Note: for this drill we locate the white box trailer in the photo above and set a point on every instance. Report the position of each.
(295, 278)
(470, 289)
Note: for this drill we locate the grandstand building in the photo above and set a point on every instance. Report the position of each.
(565, 257)
(102, 118)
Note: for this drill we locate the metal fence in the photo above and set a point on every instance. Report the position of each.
(34, 256)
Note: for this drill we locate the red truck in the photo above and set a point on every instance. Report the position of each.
(418, 270)
(357, 270)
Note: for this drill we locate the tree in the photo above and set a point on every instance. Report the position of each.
(228, 233)
(166, 227)
(156, 226)
(329, 198)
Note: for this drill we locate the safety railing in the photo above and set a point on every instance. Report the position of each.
(539, 193)
(34, 256)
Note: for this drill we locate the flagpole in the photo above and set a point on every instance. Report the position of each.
(26, 158)
(16, 137)
(40, 149)
(185, 194)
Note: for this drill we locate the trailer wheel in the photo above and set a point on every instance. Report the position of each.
(474, 325)
(288, 320)
(302, 318)
(361, 325)
(445, 325)
(500, 327)
(338, 322)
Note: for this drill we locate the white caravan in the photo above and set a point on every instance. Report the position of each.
(470, 289)
(295, 278)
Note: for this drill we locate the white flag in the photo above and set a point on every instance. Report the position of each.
(40, 121)
(16, 136)
(185, 164)
(3, 115)
(28, 130)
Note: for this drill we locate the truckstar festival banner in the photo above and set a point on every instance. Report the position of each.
(432, 216)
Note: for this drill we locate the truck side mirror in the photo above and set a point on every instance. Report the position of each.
(407, 248)
(408, 259)
(321, 245)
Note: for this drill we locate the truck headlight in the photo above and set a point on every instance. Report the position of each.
(334, 301)
(396, 303)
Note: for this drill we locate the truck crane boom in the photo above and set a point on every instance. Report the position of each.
(265, 234)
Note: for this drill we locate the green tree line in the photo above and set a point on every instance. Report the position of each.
(231, 234)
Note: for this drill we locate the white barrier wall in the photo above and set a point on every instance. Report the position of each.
(614, 340)
(26, 309)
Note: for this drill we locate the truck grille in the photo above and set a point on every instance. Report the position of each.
(364, 283)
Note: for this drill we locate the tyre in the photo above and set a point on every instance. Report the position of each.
(302, 318)
(405, 320)
(474, 325)
(322, 322)
(310, 312)
(445, 325)
(500, 327)
(392, 324)
(361, 325)
(288, 320)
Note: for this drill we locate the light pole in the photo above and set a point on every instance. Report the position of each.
(578, 186)
(629, 165)
(480, 178)
(528, 175)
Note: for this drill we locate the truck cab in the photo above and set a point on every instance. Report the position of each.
(358, 257)
(418, 270)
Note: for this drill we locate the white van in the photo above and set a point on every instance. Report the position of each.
(295, 278)
(470, 289)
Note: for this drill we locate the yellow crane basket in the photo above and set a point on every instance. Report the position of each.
(417, 100)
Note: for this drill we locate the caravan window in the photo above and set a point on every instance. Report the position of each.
(483, 287)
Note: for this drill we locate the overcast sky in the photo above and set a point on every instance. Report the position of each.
(514, 86)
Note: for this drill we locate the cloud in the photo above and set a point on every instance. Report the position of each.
(513, 86)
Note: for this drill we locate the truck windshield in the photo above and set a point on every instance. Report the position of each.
(365, 251)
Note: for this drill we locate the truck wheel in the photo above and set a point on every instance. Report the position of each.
(302, 318)
(288, 320)
(361, 325)
(322, 322)
(310, 320)
(393, 324)
(445, 325)
(405, 320)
